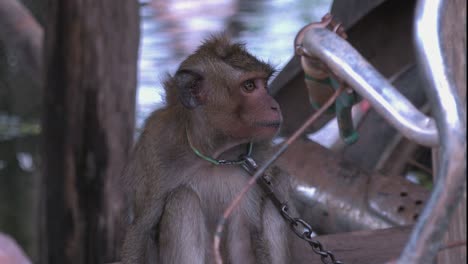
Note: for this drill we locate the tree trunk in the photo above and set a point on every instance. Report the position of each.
(91, 50)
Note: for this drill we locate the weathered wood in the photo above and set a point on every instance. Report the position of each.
(91, 50)
(362, 247)
(384, 36)
(454, 43)
(349, 12)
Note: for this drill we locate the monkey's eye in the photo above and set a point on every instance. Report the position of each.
(249, 86)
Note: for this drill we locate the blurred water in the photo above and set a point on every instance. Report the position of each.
(170, 30)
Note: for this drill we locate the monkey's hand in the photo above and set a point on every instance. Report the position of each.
(315, 68)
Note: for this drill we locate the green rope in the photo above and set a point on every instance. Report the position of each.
(326, 81)
(199, 154)
(215, 161)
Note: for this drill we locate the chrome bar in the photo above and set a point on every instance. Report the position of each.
(450, 115)
(350, 66)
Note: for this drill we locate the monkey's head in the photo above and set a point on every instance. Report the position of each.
(225, 87)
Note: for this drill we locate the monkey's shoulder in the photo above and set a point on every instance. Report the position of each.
(163, 123)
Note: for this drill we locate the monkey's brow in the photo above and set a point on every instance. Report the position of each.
(190, 71)
(247, 62)
(266, 69)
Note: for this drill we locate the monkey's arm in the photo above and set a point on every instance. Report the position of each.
(182, 231)
(239, 241)
(275, 234)
(139, 234)
(144, 208)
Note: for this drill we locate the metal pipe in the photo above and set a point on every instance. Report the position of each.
(350, 66)
(450, 115)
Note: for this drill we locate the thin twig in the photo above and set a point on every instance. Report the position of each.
(453, 245)
(261, 170)
(420, 166)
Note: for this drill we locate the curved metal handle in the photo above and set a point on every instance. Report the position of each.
(450, 115)
(350, 66)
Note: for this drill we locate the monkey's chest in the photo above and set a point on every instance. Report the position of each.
(218, 186)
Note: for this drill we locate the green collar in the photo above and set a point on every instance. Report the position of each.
(220, 162)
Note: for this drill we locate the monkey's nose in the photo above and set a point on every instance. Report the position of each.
(275, 108)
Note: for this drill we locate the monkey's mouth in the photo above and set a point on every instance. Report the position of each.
(272, 124)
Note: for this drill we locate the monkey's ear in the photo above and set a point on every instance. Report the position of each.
(189, 84)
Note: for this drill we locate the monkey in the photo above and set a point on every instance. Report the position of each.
(217, 105)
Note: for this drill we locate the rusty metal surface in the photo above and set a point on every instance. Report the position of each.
(336, 196)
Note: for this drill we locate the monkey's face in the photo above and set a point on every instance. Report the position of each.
(226, 89)
(245, 109)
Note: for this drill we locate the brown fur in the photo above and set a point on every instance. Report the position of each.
(180, 195)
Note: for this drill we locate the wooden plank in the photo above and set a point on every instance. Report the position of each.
(455, 233)
(349, 12)
(454, 42)
(363, 247)
(384, 36)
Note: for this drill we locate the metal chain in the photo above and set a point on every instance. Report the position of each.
(298, 225)
(304, 231)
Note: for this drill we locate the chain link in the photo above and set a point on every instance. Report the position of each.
(304, 231)
(298, 225)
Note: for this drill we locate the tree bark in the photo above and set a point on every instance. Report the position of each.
(454, 43)
(91, 49)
